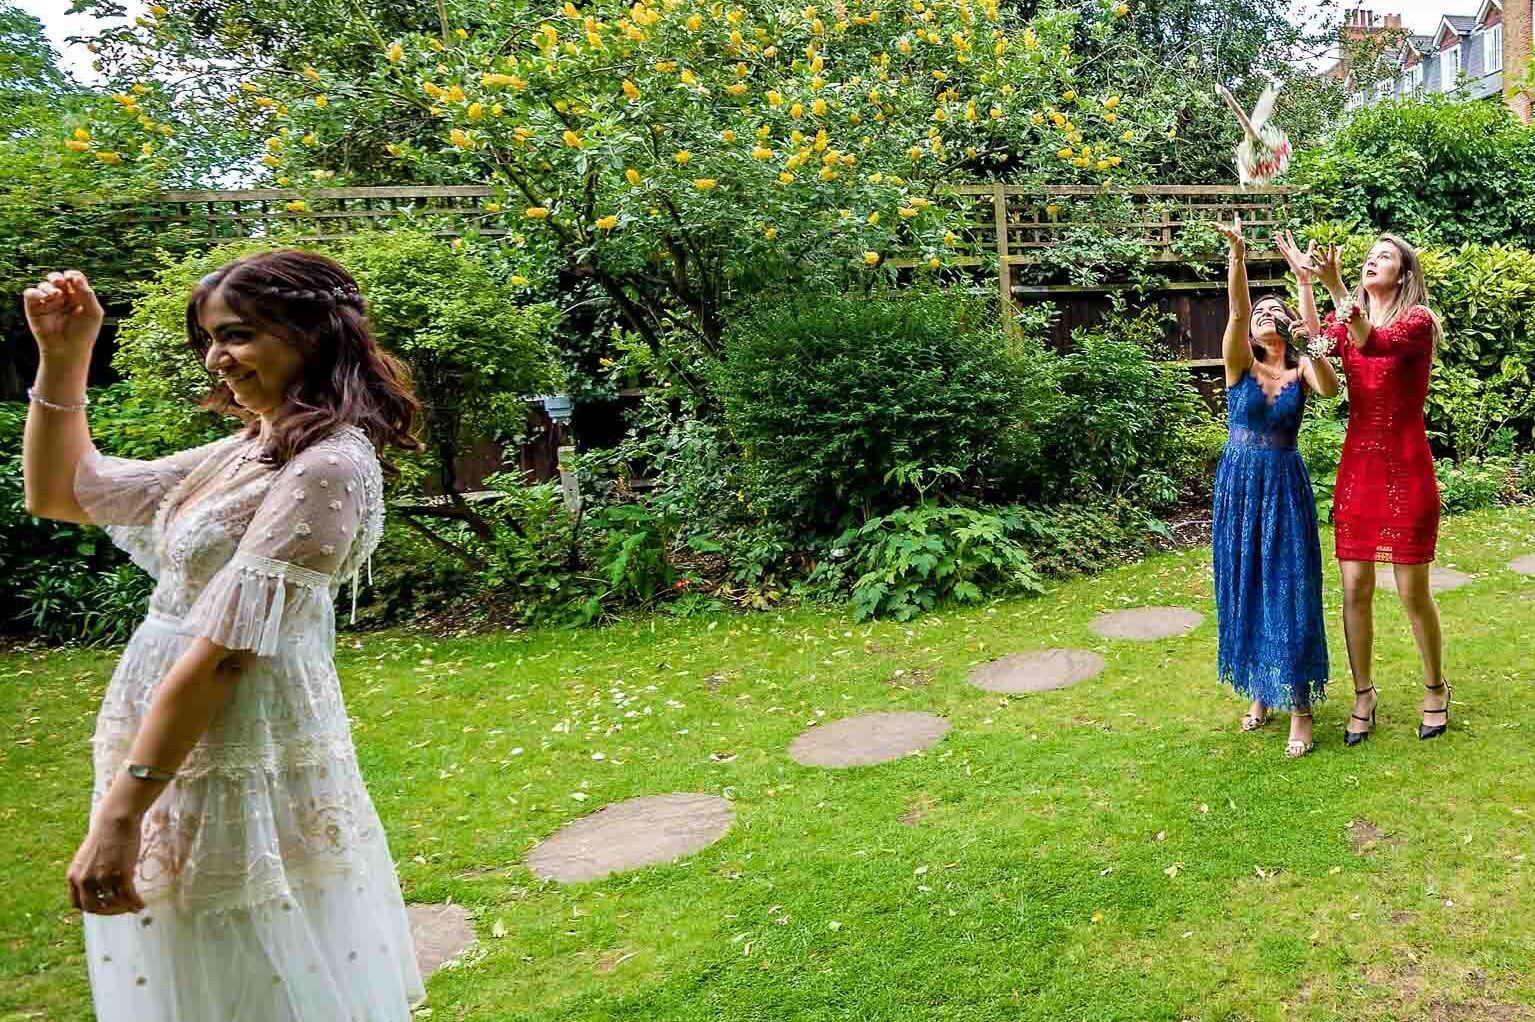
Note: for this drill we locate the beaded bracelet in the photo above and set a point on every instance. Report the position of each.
(37, 399)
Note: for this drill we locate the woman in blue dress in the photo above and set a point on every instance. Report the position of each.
(1268, 557)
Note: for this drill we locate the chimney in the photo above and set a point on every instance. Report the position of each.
(1394, 21)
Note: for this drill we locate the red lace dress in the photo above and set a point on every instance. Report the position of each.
(1386, 504)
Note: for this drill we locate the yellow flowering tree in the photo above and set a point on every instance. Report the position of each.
(678, 153)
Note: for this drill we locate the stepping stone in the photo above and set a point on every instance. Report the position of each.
(441, 933)
(867, 739)
(1040, 671)
(1143, 623)
(1523, 565)
(627, 835)
(1440, 580)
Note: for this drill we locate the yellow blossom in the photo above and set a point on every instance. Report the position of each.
(248, 86)
(631, 90)
(297, 206)
(762, 153)
(1128, 136)
(269, 160)
(818, 108)
(395, 53)
(1111, 102)
(311, 74)
(695, 22)
(871, 258)
(535, 212)
(786, 178)
(607, 223)
(908, 212)
(775, 98)
(797, 110)
(934, 263)
(110, 156)
(82, 135)
(1069, 95)
(682, 157)
(736, 89)
(705, 184)
(874, 219)
(727, 135)
(518, 280)
(311, 139)
(475, 111)
(1110, 118)
(500, 79)
(493, 207)
(571, 139)
(322, 101)
(770, 233)
(75, 145)
(827, 174)
(632, 176)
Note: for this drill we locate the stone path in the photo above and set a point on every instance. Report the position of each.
(867, 739)
(1440, 580)
(441, 934)
(1145, 623)
(1523, 565)
(1040, 671)
(626, 835)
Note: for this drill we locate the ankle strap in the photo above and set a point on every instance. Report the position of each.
(1435, 688)
(1364, 691)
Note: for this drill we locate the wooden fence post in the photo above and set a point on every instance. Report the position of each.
(1004, 267)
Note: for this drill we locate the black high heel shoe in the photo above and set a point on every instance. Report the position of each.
(1427, 731)
(1353, 738)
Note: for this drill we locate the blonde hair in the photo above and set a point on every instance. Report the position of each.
(1411, 289)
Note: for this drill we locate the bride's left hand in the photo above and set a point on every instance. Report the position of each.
(101, 874)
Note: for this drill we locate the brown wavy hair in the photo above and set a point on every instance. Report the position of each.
(1411, 289)
(313, 303)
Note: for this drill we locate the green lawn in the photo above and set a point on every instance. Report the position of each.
(1115, 850)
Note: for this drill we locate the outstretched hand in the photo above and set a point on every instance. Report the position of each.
(1330, 270)
(1302, 264)
(1233, 235)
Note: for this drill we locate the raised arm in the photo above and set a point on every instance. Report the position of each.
(65, 319)
(1235, 351)
(1350, 316)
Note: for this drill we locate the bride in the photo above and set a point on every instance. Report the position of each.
(234, 867)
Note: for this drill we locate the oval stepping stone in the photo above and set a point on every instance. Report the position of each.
(440, 932)
(1040, 671)
(1523, 565)
(627, 835)
(868, 738)
(1440, 580)
(1143, 623)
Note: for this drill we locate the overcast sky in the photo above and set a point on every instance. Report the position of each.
(1419, 15)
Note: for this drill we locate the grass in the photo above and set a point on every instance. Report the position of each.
(1112, 851)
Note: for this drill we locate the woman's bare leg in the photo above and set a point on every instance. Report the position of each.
(1359, 634)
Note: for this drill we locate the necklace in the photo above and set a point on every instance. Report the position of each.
(246, 457)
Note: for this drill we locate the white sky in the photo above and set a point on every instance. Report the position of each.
(61, 25)
(1420, 16)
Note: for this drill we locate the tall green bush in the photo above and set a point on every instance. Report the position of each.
(1441, 170)
(848, 405)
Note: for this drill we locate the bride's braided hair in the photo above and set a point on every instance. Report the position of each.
(313, 303)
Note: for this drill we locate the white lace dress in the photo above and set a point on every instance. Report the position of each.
(269, 892)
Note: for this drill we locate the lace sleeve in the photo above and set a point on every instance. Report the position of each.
(122, 495)
(278, 585)
(1411, 334)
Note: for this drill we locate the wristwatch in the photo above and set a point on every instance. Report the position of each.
(147, 773)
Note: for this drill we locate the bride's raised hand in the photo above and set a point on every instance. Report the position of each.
(64, 315)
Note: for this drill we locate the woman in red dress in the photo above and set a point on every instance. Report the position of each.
(1386, 504)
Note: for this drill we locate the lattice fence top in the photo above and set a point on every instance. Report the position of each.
(1013, 223)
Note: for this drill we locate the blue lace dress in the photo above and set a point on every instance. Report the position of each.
(1268, 558)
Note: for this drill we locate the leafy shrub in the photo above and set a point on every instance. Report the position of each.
(913, 558)
(1442, 170)
(1321, 446)
(1123, 422)
(1474, 484)
(829, 397)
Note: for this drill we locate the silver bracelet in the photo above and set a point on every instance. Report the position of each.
(148, 773)
(37, 399)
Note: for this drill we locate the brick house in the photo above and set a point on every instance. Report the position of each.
(1475, 55)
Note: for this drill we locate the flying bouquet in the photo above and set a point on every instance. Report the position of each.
(1264, 152)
